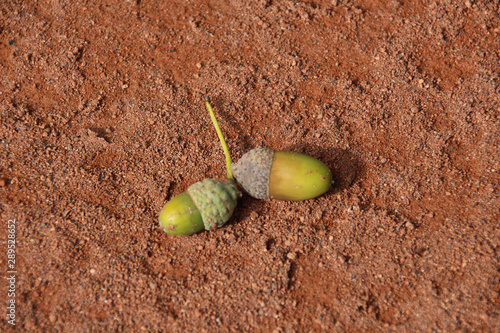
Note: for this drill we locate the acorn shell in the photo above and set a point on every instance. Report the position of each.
(180, 216)
(207, 204)
(283, 175)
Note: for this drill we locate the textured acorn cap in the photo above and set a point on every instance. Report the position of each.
(253, 170)
(215, 200)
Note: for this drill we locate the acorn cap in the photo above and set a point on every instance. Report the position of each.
(215, 200)
(253, 171)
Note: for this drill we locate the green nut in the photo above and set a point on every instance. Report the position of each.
(207, 204)
(180, 216)
(283, 175)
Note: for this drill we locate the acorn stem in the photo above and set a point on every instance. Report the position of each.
(222, 141)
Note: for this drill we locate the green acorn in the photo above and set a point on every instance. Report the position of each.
(207, 204)
(283, 175)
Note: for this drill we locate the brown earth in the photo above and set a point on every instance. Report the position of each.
(103, 121)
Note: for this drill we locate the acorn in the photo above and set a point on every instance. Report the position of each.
(206, 205)
(284, 175)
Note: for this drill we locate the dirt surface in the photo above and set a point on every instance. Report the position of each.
(103, 121)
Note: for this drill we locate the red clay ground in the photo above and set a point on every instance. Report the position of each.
(103, 121)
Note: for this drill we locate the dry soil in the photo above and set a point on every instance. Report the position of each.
(103, 121)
